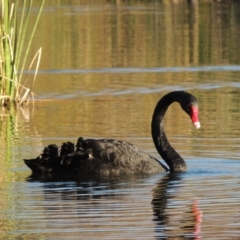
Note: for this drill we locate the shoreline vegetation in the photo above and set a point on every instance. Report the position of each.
(13, 56)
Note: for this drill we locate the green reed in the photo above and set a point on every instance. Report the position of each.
(15, 44)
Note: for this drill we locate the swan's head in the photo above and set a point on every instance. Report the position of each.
(190, 106)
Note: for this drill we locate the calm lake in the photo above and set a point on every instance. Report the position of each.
(105, 64)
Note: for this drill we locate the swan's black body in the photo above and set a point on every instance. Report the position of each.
(109, 156)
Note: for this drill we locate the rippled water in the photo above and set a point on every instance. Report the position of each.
(104, 67)
(160, 206)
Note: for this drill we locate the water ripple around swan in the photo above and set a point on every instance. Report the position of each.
(154, 207)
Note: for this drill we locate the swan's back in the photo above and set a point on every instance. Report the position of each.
(98, 156)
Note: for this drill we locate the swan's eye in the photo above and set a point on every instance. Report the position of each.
(189, 110)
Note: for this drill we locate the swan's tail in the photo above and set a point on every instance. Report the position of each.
(34, 166)
(54, 158)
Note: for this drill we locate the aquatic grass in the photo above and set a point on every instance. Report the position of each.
(15, 44)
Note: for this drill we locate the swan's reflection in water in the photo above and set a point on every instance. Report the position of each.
(118, 207)
(186, 225)
(68, 187)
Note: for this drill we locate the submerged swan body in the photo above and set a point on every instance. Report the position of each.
(110, 156)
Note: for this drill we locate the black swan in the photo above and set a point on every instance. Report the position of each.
(110, 156)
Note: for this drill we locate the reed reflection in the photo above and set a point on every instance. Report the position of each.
(186, 225)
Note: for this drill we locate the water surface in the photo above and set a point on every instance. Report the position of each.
(104, 68)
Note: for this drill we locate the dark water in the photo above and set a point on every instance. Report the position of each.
(104, 67)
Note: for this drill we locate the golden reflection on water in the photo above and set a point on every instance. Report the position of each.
(156, 33)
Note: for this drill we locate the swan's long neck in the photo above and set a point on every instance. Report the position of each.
(167, 152)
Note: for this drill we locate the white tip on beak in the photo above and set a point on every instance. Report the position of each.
(197, 125)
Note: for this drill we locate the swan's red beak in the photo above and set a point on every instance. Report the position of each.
(194, 116)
